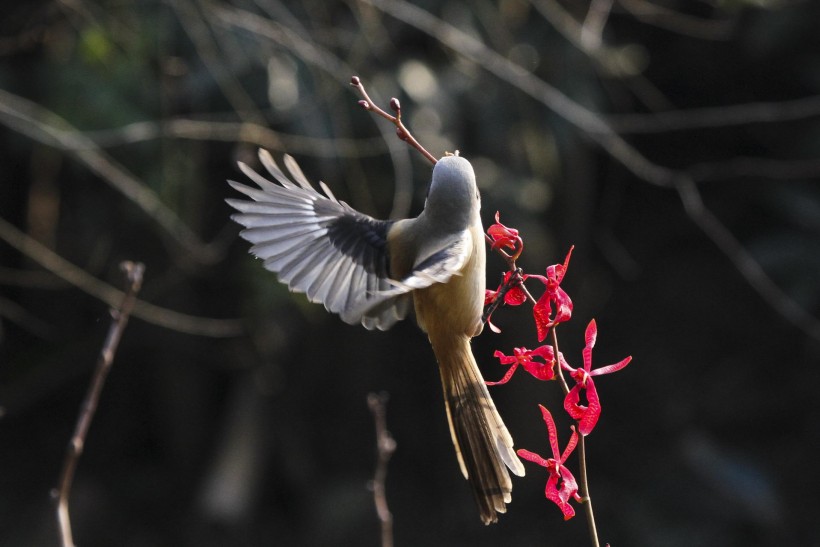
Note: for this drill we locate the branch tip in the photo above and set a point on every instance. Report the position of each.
(401, 131)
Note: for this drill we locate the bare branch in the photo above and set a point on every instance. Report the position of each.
(593, 125)
(593, 27)
(755, 168)
(401, 131)
(119, 319)
(170, 319)
(385, 446)
(47, 127)
(745, 263)
(680, 23)
(197, 30)
(596, 128)
(259, 135)
(721, 116)
(311, 53)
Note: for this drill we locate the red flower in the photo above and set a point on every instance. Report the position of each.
(503, 236)
(561, 485)
(588, 415)
(511, 289)
(526, 358)
(542, 311)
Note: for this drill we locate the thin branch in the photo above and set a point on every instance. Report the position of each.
(745, 263)
(585, 120)
(213, 130)
(76, 276)
(593, 28)
(597, 129)
(385, 446)
(755, 168)
(194, 26)
(401, 130)
(22, 317)
(119, 319)
(680, 23)
(339, 70)
(45, 126)
(719, 116)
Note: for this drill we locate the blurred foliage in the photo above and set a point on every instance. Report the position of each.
(120, 122)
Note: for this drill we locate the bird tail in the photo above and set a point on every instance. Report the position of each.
(483, 445)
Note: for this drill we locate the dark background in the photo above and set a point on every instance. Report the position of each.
(245, 421)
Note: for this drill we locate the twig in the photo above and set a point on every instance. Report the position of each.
(600, 131)
(65, 270)
(385, 446)
(119, 319)
(338, 69)
(45, 126)
(228, 131)
(744, 114)
(196, 27)
(401, 131)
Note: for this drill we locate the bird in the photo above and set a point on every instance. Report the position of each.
(373, 272)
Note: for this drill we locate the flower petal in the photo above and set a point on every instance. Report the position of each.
(515, 296)
(541, 371)
(532, 457)
(611, 368)
(506, 377)
(588, 415)
(551, 431)
(559, 497)
(541, 312)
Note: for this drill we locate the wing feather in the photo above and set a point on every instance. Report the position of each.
(318, 245)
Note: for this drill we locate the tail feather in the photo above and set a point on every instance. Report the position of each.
(483, 445)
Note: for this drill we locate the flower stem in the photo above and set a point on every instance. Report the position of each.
(582, 452)
(584, 487)
(558, 371)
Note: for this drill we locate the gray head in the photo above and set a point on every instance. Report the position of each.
(453, 196)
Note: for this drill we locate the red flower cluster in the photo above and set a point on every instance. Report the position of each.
(553, 307)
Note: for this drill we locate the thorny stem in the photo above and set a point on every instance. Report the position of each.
(582, 453)
(119, 318)
(401, 130)
(385, 446)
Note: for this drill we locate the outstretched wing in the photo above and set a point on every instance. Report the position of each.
(320, 246)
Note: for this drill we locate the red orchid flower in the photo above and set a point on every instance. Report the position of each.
(512, 290)
(542, 311)
(526, 358)
(561, 485)
(503, 236)
(588, 415)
